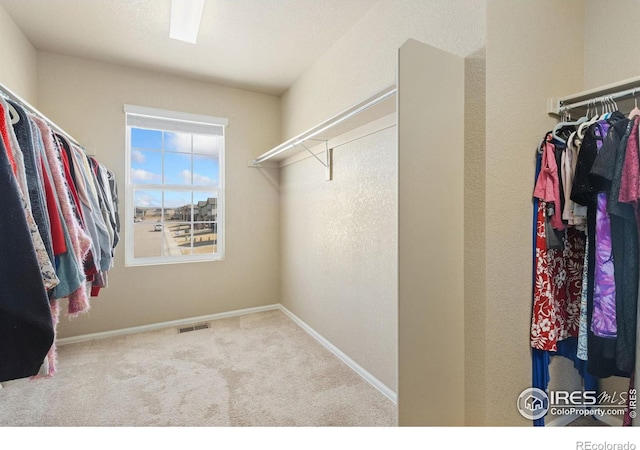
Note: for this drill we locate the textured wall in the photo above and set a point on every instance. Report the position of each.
(474, 232)
(339, 259)
(364, 60)
(362, 63)
(526, 64)
(19, 68)
(86, 99)
(611, 52)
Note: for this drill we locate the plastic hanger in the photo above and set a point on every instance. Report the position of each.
(605, 108)
(613, 106)
(566, 123)
(635, 111)
(583, 126)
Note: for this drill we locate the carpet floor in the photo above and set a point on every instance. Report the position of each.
(257, 370)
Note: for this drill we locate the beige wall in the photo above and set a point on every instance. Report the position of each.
(526, 64)
(86, 99)
(19, 68)
(339, 250)
(612, 52)
(362, 63)
(474, 231)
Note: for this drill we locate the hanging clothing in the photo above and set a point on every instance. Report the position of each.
(26, 329)
(547, 186)
(624, 238)
(52, 226)
(540, 359)
(558, 274)
(33, 170)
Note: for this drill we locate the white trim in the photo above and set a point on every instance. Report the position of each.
(169, 119)
(175, 115)
(163, 325)
(385, 390)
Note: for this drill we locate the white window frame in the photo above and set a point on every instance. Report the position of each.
(160, 119)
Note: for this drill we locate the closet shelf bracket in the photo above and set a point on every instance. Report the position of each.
(328, 158)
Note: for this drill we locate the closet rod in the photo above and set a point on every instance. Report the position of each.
(619, 90)
(9, 94)
(336, 120)
(601, 99)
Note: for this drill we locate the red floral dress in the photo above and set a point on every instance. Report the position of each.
(557, 288)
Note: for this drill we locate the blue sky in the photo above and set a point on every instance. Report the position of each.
(188, 159)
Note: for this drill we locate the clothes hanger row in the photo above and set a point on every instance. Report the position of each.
(608, 107)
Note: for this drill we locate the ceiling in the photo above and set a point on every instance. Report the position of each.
(261, 45)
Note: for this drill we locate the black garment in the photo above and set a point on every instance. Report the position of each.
(22, 130)
(624, 241)
(601, 352)
(26, 326)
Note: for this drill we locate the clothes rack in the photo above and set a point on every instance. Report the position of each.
(10, 95)
(60, 224)
(381, 104)
(621, 90)
(585, 223)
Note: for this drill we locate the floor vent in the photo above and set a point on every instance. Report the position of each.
(201, 326)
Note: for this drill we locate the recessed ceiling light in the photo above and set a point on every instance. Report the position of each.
(185, 19)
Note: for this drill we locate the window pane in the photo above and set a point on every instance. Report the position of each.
(147, 240)
(146, 167)
(205, 207)
(181, 234)
(146, 139)
(205, 238)
(177, 238)
(182, 213)
(207, 144)
(177, 200)
(177, 142)
(148, 202)
(206, 171)
(177, 168)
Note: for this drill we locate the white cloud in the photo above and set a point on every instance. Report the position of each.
(146, 201)
(143, 175)
(198, 179)
(204, 144)
(137, 156)
(179, 142)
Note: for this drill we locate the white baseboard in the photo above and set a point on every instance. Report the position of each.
(163, 325)
(386, 391)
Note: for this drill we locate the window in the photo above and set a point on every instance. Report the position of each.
(174, 187)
